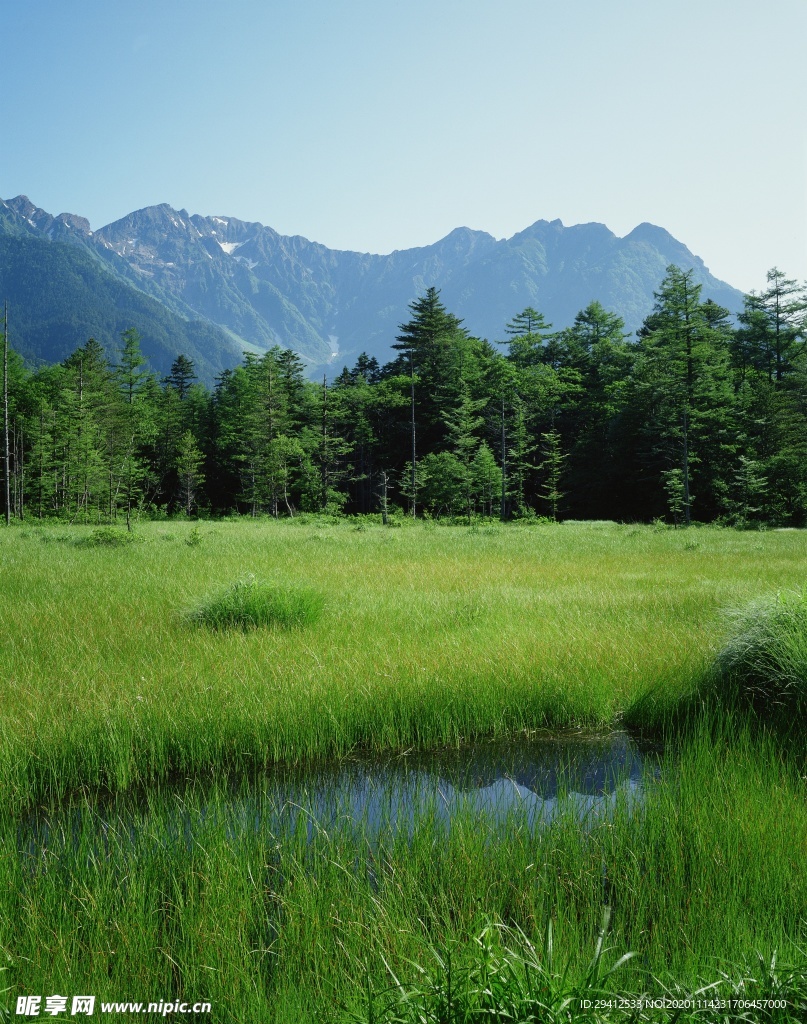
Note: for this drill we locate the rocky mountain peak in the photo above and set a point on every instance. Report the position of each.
(263, 288)
(70, 220)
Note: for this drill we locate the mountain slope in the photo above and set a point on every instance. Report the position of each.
(256, 288)
(59, 296)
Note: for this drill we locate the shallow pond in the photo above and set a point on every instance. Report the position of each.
(533, 777)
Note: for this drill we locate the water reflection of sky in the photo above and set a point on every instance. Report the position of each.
(533, 778)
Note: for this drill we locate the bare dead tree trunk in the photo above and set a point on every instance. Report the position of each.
(687, 498)
(414, 447)
(384, 485)
(324, 461)
(7, 467)
(18, 490)
(503, 511)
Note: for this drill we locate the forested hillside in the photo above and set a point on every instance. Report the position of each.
(61, 294)
(699, 418)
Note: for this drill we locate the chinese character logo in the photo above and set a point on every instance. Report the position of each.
(28, 1006)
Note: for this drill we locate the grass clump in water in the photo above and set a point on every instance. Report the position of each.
(764, 660)
(252, 604)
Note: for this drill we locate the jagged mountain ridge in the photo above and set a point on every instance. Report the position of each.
(61, 291)
(262, 288)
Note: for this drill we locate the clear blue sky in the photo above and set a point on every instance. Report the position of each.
(376, 125)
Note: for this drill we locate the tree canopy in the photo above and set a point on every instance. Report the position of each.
(697, 417)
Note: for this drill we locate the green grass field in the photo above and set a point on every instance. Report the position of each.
(111, 678)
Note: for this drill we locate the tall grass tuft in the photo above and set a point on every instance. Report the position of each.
(502, 977)
(764, 659)
(250, 604)
(107, 537)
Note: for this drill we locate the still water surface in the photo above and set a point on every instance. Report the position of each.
(534, 777)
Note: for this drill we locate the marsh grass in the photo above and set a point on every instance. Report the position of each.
(502, 975)
(194, 538)
(5, 1012)
(433, 636)
(758, 674)
(276, 913)
(765, 654)
(107, 537)
(252, 604)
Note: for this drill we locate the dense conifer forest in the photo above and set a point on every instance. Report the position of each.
(697, 418)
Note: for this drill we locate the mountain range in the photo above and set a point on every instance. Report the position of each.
(214, 287)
